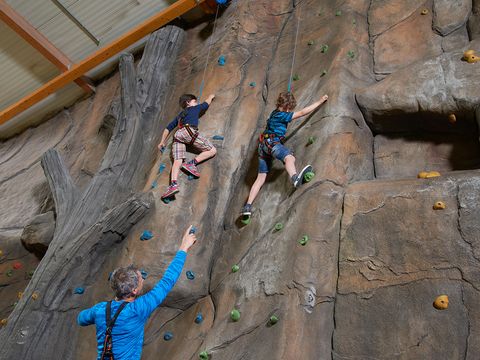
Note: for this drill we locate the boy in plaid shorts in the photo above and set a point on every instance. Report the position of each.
(187, 134)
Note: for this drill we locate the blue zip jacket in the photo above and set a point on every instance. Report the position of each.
(128, 331)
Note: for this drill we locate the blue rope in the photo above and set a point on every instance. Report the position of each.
(208, 56)
(294, 52)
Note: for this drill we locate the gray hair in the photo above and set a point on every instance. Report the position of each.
(124, 280)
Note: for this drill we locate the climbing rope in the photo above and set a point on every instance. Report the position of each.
(294, 50)
(202, 84)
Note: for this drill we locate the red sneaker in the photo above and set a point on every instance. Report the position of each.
(191, 168)
(171, 190)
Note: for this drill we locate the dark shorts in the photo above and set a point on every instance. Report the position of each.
(265, 160)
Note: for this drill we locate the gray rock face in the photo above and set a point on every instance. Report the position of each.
(450, 15)
(38, 233)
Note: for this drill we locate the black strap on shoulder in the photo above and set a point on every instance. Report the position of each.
(107, 353)
(110, 321)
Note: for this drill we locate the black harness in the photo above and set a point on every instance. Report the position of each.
(107, 353)
(192, 131)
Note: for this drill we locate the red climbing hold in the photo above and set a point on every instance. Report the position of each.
(17, 265)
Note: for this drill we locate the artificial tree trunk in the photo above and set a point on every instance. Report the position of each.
(91, 221)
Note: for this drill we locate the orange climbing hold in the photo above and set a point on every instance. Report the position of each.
(441, 302)
(452, 119)
(439, 205)
(3, 322)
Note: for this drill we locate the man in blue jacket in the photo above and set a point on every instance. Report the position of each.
(128, 328)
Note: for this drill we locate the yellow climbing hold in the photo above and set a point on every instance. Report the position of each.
(35, 296)
(19, 295)
(422, 175)
(470, 57)
(3, 322)
(441, 302)
(439, 205)
(432, 174)
(1, 253)
(452, 119)
(424, 12)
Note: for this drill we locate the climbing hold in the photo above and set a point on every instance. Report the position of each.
(168, 336)
(30, 273)
(303, 241)
(193, 230)
(422, 175)
(9, 273)
(432, 174)
(19, 295)
(311, 140)
(79, 290)
(278, 226)
(252, 84)
(235, 268)
(308, 176)
(162, 149)
(3, 322)
(470, 57)
(203, 355)
(310, 43)
(424, 12)
(161, 168)
(222, 60)
(154, 184)
(295, 77)
(439, 205)
(338, 13)
(354, 22)
(1, 253)
(273, 320)
(217, 137)
(167, 200)
(35, 296)
(146, 235)
(441, 302)
(110, 276)
(198, 318)
(191, 177)
(324, 48)
(351, 54)
(144, 274)
(190, 275)
(17, 265)
(452, 119)
(221, 2)
(235, 315)
(324, 72)
(246, 219)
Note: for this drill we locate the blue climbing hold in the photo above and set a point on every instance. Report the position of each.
(222, 60)
(190, 275)
(144, 274)
(199, 318)
(154, 184)
(217, 137)
(253, 84)
(191, 177)
(110, 276)
(161, 168)
(146, 235)
(221, 2)
(168, 336)
(79, 290)
(162, 149)
(193, 230)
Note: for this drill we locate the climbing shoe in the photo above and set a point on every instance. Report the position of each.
(191, 168)
(171, 190)
(299, 179)
(246, 210)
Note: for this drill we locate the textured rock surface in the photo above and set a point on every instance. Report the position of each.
(38, 233)
(378, 254)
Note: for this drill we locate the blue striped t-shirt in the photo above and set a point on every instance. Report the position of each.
(277, 122)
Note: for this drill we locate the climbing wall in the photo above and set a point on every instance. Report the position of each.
(375, 253)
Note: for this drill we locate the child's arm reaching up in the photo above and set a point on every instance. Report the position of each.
(309, 109)
(210, 99)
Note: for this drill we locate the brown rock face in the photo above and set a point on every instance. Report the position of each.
(378, 253)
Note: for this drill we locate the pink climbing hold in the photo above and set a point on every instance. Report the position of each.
(17, 265)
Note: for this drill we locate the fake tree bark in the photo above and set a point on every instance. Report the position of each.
(91, 221)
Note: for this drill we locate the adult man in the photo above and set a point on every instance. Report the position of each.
(133, 310)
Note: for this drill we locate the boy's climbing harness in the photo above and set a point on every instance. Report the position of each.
(190, 275)
(146, 235)
(441, 302)
(439, 205)
(235, 315)
(79, 290)
(168, 336)
(199, 318)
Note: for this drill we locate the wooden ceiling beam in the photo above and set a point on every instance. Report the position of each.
(40, 42)
(175, 10)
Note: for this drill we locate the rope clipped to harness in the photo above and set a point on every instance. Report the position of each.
(107, 353)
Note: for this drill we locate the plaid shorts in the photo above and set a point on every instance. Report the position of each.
(182, 138)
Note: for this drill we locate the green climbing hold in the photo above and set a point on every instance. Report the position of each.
(324, 48)
(246, 219)
(203, 355)
(303, 241)
(273, 320)
(324, 72)
(310, 43)
(338, 13)
(235, 315)
(9, 273)
(235, 268)
(354, 22)
(351, 54)
(278, 226)
(308, 176)
(311, 140)
(295, 77)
